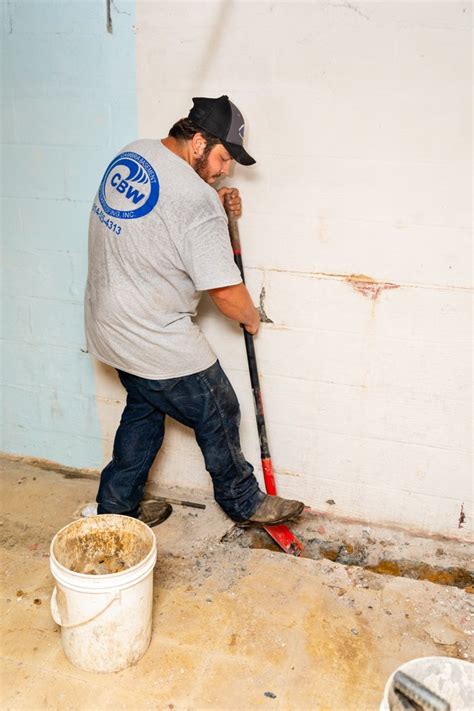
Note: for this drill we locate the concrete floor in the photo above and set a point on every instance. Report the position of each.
(234, 628)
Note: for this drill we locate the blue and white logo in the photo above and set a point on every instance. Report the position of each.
(129, 188)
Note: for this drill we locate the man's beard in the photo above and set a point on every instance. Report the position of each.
(202, 169)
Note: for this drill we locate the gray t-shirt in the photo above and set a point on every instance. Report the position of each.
(157, 238)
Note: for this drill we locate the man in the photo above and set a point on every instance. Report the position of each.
(158, 238)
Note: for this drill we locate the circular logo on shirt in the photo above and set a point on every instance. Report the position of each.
(129, 188)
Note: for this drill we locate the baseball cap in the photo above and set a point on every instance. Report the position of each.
(222, 119)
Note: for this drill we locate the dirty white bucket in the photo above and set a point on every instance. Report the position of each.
(103, 567)
(451, 679)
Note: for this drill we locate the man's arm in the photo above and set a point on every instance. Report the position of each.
(235, 303)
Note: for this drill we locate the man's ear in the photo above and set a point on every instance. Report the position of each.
(198, 143)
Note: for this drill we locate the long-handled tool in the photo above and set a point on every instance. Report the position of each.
(180, 502)
(281, 534)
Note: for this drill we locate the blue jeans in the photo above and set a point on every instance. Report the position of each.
(204, 401)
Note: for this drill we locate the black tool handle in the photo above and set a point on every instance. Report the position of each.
(253, 371)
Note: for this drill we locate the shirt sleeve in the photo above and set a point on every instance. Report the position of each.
(207, 255)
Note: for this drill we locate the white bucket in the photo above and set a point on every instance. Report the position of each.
(103, 567)
(451, 679)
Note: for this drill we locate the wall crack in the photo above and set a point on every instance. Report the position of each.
(121, 12)
(351, 7)
(110, 28)
(261, 309)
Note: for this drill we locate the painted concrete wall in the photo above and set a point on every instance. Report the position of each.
(356, 225)
(359, 117)
(68, 102)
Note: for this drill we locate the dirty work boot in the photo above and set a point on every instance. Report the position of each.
(154, 511)
(274, 510)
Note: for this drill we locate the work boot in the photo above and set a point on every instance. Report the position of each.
(274, 510)
(154, 511)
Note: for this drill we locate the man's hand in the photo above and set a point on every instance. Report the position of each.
(235, 303)
(233, 201)
(253, 327)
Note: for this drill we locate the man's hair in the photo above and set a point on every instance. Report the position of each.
(185, 129)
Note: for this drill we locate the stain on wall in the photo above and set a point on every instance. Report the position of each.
(369, 287)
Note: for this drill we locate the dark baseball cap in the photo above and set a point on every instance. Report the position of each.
(222, 119)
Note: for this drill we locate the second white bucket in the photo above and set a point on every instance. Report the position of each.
(449, 678)
(103, 567)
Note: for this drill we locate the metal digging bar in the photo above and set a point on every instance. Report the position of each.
(281, 534)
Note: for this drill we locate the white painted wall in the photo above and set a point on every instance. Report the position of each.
(359, 117)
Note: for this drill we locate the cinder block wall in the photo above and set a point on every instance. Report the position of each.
(355, 234)
(68, 101)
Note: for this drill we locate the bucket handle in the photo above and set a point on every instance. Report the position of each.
(57, 616)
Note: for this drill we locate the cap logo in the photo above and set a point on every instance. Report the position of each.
(241, 131)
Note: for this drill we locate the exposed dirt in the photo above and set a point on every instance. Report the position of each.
(371, 553)
(457, 577)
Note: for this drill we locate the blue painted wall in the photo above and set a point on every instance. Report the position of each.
(69, 102)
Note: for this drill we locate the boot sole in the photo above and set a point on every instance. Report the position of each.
(159, 519)
(264, 524)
